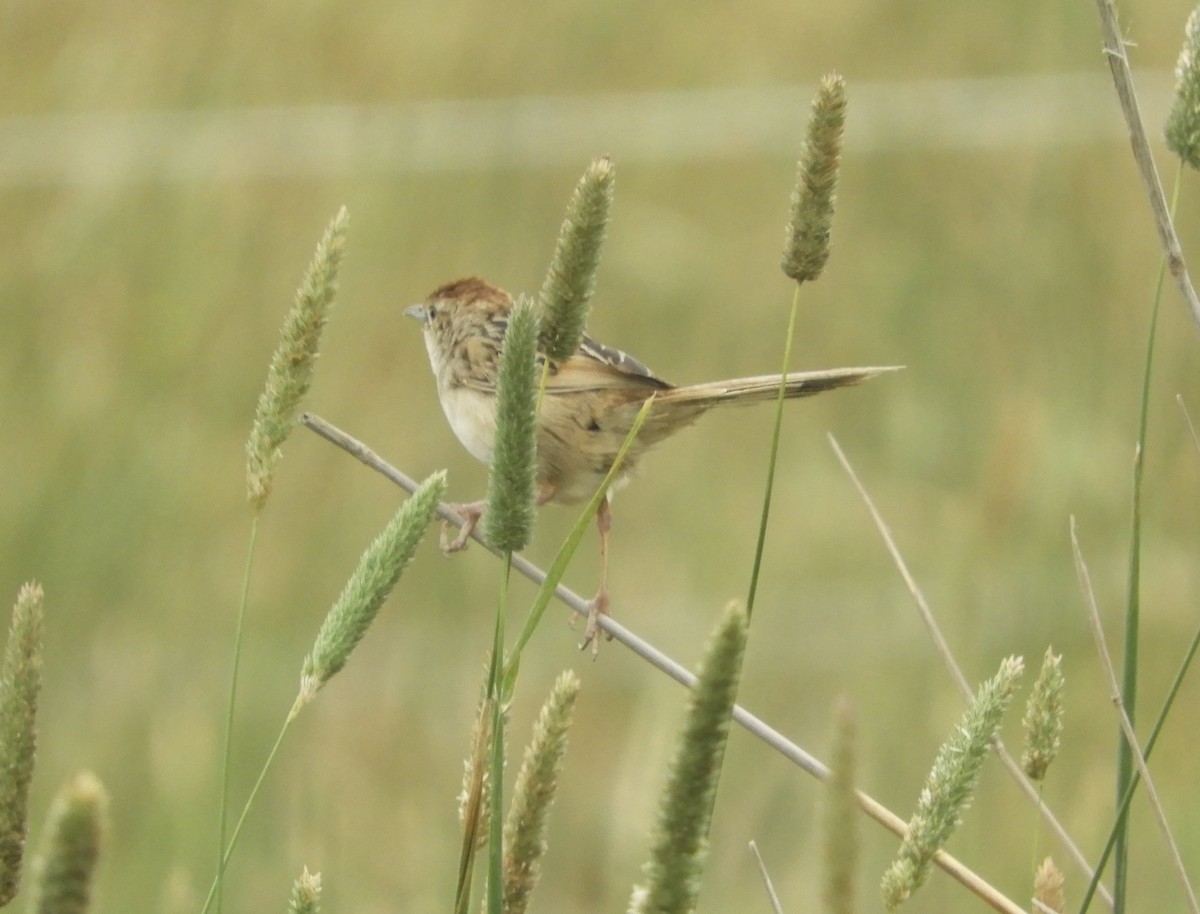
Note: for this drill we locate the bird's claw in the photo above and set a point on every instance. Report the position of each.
(470, 513)
(451, 546)
(591, 633)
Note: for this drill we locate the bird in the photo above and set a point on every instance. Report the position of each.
(588, 407)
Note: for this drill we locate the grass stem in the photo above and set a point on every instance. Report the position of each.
(960, 681)
(1085, 584)
(237, 829)
(227, 749)
(773, 457)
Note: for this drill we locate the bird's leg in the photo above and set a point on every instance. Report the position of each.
(471, 512)
(599, 605)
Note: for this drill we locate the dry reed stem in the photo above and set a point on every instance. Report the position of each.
(1085, 584)
(943, 649)
(1118, 64)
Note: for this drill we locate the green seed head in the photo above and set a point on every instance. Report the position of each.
(806, 248)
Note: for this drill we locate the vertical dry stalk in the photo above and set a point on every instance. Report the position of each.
(473, 802)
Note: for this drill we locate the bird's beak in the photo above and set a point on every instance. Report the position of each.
(416, 312)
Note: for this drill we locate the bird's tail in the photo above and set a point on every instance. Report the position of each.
(766, 387)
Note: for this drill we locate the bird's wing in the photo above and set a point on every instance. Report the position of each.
(595, 365)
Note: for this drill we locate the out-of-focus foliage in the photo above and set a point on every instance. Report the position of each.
(1011, 274)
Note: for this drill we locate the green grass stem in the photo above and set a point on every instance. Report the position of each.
(378, 570)
(773, 457)
(237, 829)
(227, 746)
(289, 377)
(805, 252)
(495, 882)
(1129, 667)
(1102, 652)
(565, 553)
(1123, 808)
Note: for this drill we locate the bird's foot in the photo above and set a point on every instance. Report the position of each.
(591, 633)
(470, 512)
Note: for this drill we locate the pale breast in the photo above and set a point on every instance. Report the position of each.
(472, 416)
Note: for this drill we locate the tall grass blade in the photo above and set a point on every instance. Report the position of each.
(566, 552)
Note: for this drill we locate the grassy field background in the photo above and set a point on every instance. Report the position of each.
(1012, 275)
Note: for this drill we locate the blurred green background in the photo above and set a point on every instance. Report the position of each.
(165, 172)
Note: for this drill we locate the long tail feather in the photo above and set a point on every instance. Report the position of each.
(766, 387)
